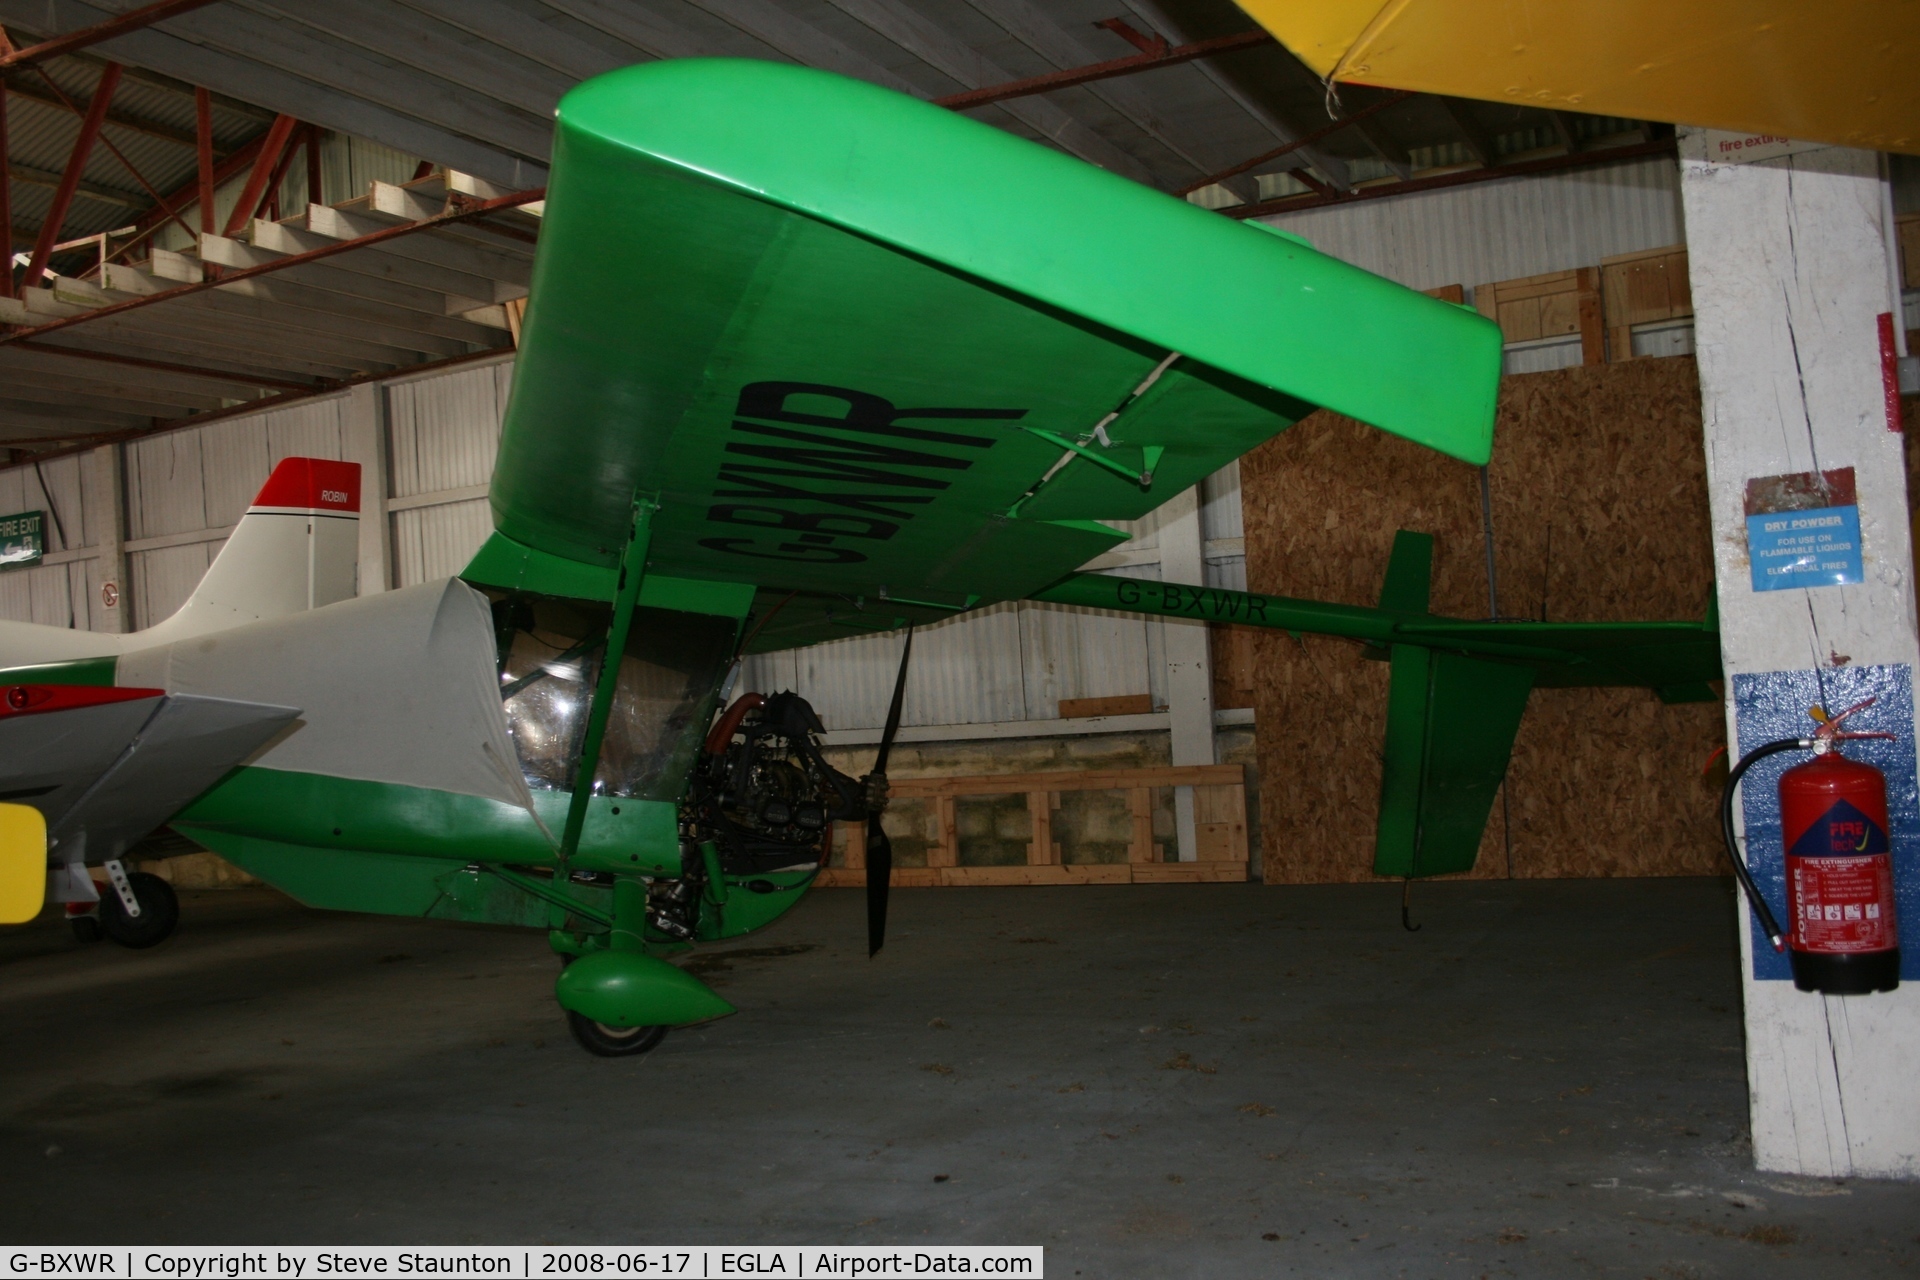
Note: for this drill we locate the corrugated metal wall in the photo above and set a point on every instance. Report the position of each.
(186, 489)
(444, 433)
(1485, 231)
(53, 595)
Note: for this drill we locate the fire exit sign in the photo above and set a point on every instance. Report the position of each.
(23, 539)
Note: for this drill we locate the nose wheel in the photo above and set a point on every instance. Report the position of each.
(604, 1041)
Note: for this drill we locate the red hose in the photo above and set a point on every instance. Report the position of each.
(723, 732)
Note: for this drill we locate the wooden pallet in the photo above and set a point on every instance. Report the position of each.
(1220, 807)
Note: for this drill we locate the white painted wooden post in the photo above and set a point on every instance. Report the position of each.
(1787, 257)
(366, 444)
(1189, 662)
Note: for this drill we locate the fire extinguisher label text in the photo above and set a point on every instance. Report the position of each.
(1841, 874)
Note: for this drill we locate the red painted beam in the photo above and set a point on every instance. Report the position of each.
(70, 180)
(6, 206)
(120, 26)
(1103, 70)
(476, 209)
(168, 366)
(263, 167)
(1546, 164)
(161, 202)
(1268, 156)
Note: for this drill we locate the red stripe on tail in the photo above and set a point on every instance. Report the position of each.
(313, 484)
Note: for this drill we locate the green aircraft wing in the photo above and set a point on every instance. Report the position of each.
(885, 363)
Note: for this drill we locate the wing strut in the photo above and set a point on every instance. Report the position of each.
(879, 846)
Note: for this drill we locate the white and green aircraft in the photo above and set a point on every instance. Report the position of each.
(803, 359)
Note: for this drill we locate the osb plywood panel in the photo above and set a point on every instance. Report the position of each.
(1599, 513)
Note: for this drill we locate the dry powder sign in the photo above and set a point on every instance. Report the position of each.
(23, 539)
(1803, 530)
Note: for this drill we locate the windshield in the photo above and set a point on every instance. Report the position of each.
(551, 651)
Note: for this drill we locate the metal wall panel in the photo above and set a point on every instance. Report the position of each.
(1080, 653)
(437, 542)
(1220, 504)
(166, 485)
(1505, 229)
(205, 477)
(55, 488)
(445, 430)
(163, 578)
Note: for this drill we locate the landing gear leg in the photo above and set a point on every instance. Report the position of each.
(622, 1037)
(142, 910)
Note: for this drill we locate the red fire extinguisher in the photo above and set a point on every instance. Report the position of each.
(1844, 938)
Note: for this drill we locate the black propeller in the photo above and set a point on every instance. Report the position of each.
(879, 847)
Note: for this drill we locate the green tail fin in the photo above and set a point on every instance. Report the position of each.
(1451, 722)
(1409, 584)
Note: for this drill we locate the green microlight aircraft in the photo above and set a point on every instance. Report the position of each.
(803, 359)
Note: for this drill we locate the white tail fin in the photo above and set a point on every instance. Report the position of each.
(297, 548)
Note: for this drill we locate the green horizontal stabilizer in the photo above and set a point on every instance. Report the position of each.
(1451, 722)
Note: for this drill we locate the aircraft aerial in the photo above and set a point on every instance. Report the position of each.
(805, 402)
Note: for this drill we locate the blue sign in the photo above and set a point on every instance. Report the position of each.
(1771, 705)
(1817, 548)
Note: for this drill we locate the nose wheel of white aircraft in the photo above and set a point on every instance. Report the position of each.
(613, 1042)
(159, 912)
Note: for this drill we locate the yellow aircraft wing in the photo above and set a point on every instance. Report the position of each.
(1838, 73)
(23, 863)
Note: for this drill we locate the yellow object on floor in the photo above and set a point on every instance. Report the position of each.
(23, 863)
(1839, 73)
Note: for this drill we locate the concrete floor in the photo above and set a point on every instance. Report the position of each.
(1217, 1081)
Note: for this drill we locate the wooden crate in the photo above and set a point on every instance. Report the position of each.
(1641, 288)
(1558, 304)
(1220, 814)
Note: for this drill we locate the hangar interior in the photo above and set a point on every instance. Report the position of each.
(1135, 852)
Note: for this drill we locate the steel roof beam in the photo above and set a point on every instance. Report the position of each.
(275, 345)
(391, 31)
(438, 251)
(110, 29)
(1150, 12)
(240, 385)
(951, 57)
(274, 402)
(1546, 164)
(117, 118)
(289, 289)
(476, 209)
(70, 179)
(537, 41)
(28, 390)
(83, 189)
(1065, 49)
(68, 418)
(292, 241)
(638, 27)
(132, 384)
(1478, 141)
(803, 42)
(1268, 157)
(459, 144)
